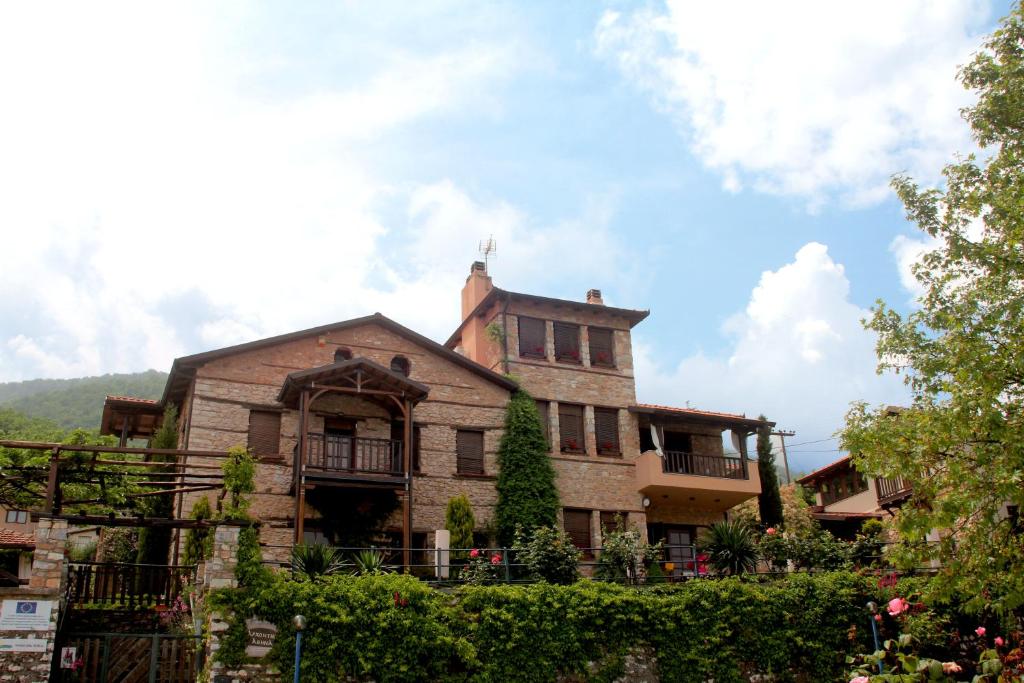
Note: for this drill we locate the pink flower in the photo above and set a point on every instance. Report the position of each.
(770, 531)
(878, 617)
(496, 559)
(898, 606)
(474, 553)
(999, 641)
(980, 631)
(860, 679)
(951, 668)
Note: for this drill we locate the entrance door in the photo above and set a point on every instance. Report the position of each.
(679, 549)
(339, 444)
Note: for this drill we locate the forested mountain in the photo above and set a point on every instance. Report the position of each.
(77, 402)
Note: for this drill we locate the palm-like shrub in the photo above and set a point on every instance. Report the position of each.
(311, 561)
(730, 548)
(370, 563)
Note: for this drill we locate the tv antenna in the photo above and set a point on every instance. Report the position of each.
(488, 248)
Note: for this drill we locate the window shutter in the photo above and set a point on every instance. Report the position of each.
(264, 432)
(567, 342)
(570, 427)
(606, 428)
(602, 347)
(469, 446)
(531, 337)
(577, 525)
(545, 420)
(610, 521)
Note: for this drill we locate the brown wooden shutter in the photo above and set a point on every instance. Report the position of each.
(567, 342)
(577, 525)
(570, 428)
(606, 429)
(610, 521)
(264, 432)
(545, 421)
(469, 446)
(531, 337)
(602, 347)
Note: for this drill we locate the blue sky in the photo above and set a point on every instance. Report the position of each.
(181, 178)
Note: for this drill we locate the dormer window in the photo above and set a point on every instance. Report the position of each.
(567, 343)
(342, 354)
(401, 365)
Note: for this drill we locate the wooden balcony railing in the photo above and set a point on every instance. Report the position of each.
(126, 585)
(722, 466)
(352, 454)
(890, 490)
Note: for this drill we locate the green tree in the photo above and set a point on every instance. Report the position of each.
(769, 502)
(527, 495)
(960, 444)
(155, 542)
(199, 541)
(459, 520)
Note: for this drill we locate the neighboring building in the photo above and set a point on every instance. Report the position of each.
(845, 498)
(365, 426)
(16, 564)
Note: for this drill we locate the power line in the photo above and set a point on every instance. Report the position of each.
(807, 443)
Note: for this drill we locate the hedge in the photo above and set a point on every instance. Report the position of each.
(395, 628)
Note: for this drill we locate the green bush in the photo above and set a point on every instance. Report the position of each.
(730, 547)
(549, 555)
(395, 628)
(459, 521)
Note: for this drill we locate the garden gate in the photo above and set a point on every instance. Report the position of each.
(129, 658)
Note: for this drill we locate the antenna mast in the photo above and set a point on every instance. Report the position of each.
(488, 248)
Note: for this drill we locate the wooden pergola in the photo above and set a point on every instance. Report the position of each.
(362, 378)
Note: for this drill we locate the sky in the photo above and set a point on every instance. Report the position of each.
(179, 177)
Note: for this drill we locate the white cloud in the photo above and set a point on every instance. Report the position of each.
(798, 353)
(808, 99)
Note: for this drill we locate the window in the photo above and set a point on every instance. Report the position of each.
(567, 342)
(264, 433)
(602, 347)
(17, 516)
(469, 448)
(606, 429)
(613, 521)
(570, 428)
(532, 333)
(342, 354)
(577, 525)
(401, 365)
(543, 409)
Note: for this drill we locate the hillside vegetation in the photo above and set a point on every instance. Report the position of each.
(71, 403)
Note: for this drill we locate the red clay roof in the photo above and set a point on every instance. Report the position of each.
(690, 411)
(15, 539)
(705, 415)
(824, 470)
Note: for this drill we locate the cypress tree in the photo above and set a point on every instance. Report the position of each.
(459, 520)
(155, 542)
(527, 495)
(769, 503)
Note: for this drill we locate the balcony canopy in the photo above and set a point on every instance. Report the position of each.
(355, 376)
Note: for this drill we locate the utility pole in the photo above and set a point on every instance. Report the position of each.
(782, 434)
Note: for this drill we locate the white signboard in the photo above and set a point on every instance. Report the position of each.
(23, 644)
(25, 615)
(261, 637)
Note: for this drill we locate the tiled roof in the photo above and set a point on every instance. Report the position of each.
(15, 539)
(690, 411)
(824, 470)
(132, 399)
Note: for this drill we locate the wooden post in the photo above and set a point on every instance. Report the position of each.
(300, 479)
(743, 454)
(51, 482)
(407, 498)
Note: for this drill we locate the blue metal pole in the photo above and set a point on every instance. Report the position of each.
(298, 650)
(874, 632)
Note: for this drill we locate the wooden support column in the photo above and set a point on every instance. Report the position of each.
(407, 498)
(51, 483)
(743, 454)
(299, 474)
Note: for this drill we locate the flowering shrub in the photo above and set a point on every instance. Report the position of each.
(549, 555)
(483, 567)
(625, 556)
(570, 445)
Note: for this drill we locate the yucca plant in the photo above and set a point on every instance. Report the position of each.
(730, 548)
(370, 563)
(311, 561)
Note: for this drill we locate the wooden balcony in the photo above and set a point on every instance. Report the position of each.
(355, 458)
(124, 585)
(712, 482)
(892, 491)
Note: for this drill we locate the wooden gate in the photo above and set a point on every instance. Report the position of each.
(129, 658)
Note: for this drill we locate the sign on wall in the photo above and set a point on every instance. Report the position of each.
(261, 637)
(23, 644)
(25, 615)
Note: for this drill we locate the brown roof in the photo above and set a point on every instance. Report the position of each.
(632, 315)
(132, 400)
(827, 469)
(15, 539)
(694, 413)
(184, 368)
(394, 381)
(143, 416)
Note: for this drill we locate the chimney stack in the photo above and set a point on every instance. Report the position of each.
(594, 297)
(478, 284)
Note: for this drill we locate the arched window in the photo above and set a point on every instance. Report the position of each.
(342, 354)
(401, 364)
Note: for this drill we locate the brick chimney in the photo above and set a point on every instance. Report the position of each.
(594, 297)
(478, 284)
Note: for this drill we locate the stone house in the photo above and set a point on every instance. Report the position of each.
(364, 429)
